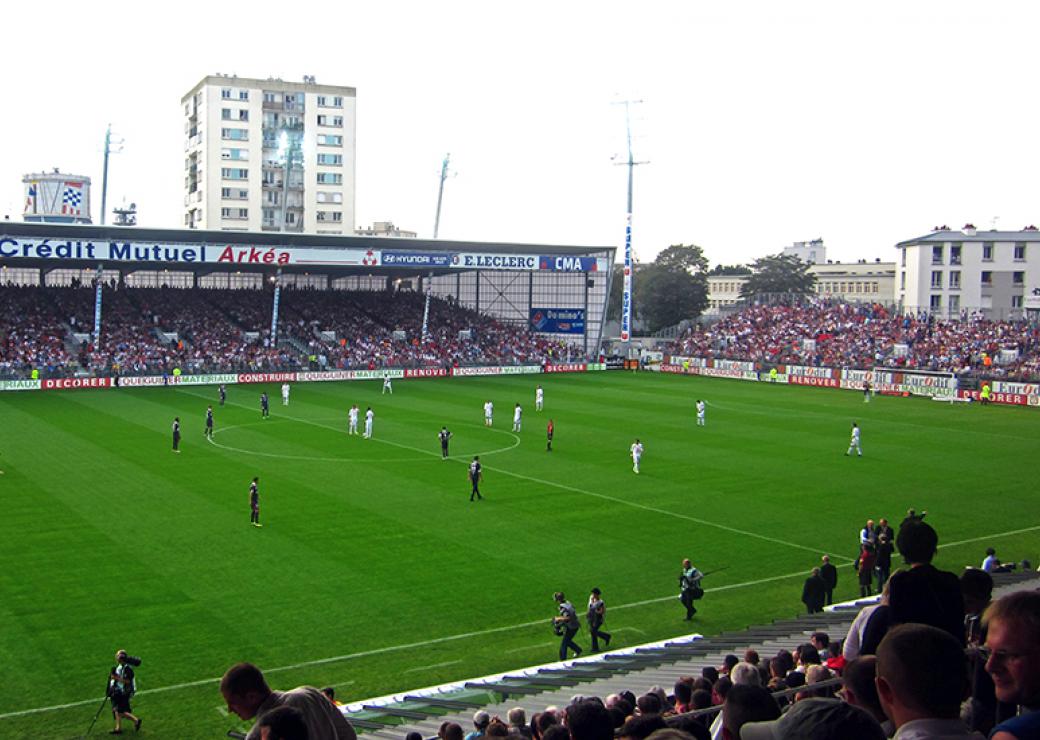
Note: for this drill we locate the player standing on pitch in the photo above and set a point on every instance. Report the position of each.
(549, 435)
(476, 475)
(223, 393)
(254, 503)
(352, 415)
(387, 387)
(370, 416)
(539, 398)
(265, 406)
(209, 422)
(637, 454)
(176, 429)
(854, 442)
(700, 412)
(444, 435)
(285, 394)
(489, 410)
(517, 413)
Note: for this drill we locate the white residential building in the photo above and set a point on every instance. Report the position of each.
(947, 272)
(268, 155)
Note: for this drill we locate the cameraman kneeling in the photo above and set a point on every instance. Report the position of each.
(121, 686)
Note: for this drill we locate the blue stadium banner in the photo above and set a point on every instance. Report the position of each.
(567, 264)
(558, 320)
(417, 259)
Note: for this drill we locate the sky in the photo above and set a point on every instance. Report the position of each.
(761, 123)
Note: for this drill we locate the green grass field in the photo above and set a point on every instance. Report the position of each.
(374, 573)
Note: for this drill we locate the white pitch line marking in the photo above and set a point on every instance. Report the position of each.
(434, 665)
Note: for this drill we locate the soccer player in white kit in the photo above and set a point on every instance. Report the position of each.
(489, 410)
(539, 398)
(285, 394)
(637, 453)
(353, 416)
(517, 412)
(700, 412)
(387, 386)
(369, 416)
(854, 442)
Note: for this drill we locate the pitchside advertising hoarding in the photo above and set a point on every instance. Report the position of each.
(558, 320)
(279, 256)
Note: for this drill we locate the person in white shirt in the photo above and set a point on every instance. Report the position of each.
(353, 416)
(489, 410)
(637, 453)
(539, 398)
(387, 388)
(516, 418)
(285, 394)
(369, 416)
(700, 412)
(854, 442)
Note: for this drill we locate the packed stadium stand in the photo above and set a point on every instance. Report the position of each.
(635, 672)
(867, 336)
(155, 330)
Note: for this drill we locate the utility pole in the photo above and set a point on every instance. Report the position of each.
(626, 295)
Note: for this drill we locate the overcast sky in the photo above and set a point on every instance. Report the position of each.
(763, 123)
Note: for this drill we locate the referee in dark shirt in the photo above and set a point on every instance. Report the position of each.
(444, 435)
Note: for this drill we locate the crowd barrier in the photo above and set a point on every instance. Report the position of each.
(302, 376)
(889, 381)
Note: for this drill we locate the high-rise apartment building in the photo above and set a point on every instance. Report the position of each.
(268, 155)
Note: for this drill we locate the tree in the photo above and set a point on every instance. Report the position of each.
(669, 295)
(722, 270)
(779, 273)
(687, 257)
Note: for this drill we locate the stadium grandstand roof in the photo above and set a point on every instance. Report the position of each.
(197, 250)
(972, 235)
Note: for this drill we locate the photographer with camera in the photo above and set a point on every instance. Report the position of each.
(566, 625)
(690, 587)
(121, 686)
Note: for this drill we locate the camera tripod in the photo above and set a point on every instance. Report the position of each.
(97, 713)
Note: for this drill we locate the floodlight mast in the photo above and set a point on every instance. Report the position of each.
(626, 295)
(436, 230)
(104, 176)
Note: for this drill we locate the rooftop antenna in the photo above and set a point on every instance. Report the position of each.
(626, 296)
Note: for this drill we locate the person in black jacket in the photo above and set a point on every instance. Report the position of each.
(814, 592)
(883, 561)
(829, 574)
(925, 594)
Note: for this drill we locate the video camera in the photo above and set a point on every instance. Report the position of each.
(129, 660)
(558, 627)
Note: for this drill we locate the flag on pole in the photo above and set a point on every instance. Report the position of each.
(30, 198)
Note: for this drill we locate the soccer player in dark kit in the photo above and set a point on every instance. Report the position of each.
(265, 406)
(209, 422)
(444, 435)
(475, 476)
(223, 394)
(254, 503)
(549, 435)
(176, 433)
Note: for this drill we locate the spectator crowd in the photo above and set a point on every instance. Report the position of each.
(867, 336)
(146, 331)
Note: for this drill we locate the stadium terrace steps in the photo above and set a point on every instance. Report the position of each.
(636, 670)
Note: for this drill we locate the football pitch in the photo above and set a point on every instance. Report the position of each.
(373, 571)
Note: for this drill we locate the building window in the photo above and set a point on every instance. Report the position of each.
(235, 134)
(955, 280)
(243, 115)
(269, 97)
(330, 178)
(330, 140)
(955, 254)
(335, 160)
(234, 193)
(936, 302)
(235, 213)
(235, 154)
(321, 101)
(987, 251)
(902, 281)
(1018, 278)
(225, 93)
(243, 95)
(234, 173)
(337, 121)
(987, 277)
(1016, 301)
(937, 255)
(326, 197)
(936, 278)
(290, 217)
(1020, 251)
(225, 114)
(902, 259)
(337, 102)
(955, 303)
